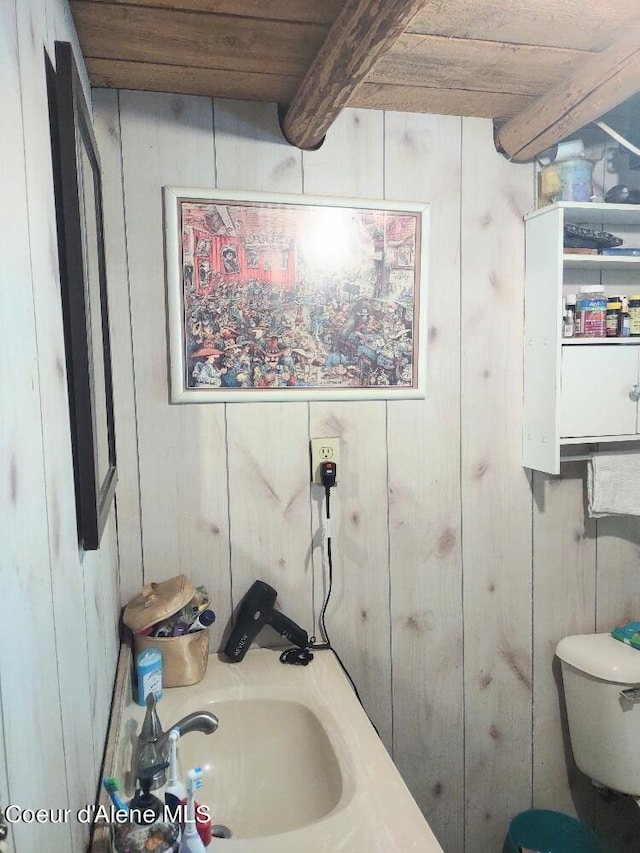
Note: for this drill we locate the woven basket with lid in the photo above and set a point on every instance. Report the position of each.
(185, 658)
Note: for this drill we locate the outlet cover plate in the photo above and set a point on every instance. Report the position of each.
(324, 450)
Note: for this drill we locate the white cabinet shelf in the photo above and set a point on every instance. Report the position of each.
(594, 342)
(576, 390)
(601, 262)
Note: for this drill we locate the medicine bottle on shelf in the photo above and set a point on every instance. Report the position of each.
(634, 315)
(591, 311)
(569, 316)
(614, 306)
(623, 320)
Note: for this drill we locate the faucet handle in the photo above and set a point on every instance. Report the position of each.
(151, 727)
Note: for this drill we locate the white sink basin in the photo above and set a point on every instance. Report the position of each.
(295, 766)
(269, 768)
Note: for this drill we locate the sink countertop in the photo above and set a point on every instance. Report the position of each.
(375, 812)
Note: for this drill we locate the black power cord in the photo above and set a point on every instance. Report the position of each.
(302, 657)
(328, 479)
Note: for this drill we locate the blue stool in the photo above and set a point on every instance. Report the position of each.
(551, 832)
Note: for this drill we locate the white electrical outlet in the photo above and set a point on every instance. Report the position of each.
(324, 450)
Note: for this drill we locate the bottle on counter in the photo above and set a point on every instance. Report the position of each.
(149, 672)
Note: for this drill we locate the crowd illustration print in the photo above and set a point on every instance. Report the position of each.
(290, 296)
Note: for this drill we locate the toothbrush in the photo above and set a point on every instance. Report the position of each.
(191, 841)
(175, 792)
(112, 785)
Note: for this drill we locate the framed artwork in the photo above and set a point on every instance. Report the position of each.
(276, 297)
(78, 195)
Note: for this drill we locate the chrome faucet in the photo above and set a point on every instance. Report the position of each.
(152, 747)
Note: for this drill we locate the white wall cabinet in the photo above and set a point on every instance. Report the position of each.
(576, 390)
(598, 393)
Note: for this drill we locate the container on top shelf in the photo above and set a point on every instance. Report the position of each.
(566, 180)
(581, 388)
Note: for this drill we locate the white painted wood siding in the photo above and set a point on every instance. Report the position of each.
(455, 574)
(59, 608)
(268, 492)
(423, 155)
(496, 497)
(350, 163)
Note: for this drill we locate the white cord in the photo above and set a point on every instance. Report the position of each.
(618, 137)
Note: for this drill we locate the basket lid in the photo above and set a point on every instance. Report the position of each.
(601, 656)
(157, 601)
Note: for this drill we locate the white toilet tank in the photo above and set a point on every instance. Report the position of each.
(604, 725)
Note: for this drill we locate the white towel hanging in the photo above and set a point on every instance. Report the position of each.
(613, 484)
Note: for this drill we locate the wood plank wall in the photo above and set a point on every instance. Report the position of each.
(59, 608)
(456, 573)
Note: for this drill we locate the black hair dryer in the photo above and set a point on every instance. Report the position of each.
(254, 612)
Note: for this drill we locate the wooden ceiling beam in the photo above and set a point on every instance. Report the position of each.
(491, 66)
(303, 11)
(422, 99)
(190, 80)
(575, 24)
(363, 31)
(175, 37)
(602, 82)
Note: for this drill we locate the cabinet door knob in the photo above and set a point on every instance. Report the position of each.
(635, 393)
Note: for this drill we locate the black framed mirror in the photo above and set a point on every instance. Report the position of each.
(78, 194)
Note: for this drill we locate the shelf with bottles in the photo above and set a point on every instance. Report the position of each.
(572, 342)
(607, 312)
(560, 373)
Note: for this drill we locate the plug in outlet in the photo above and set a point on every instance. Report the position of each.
(324, 450)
